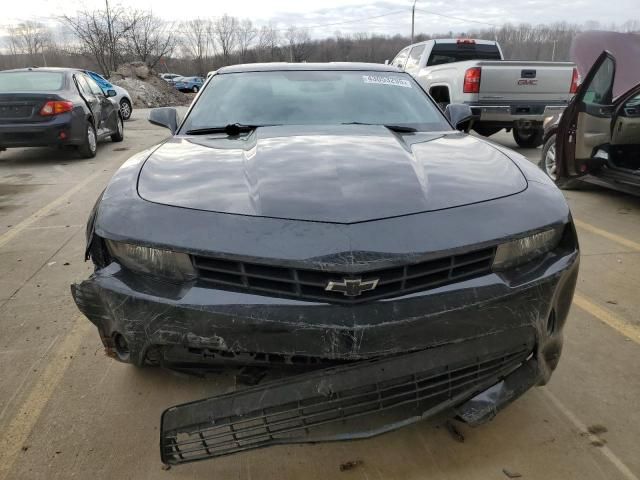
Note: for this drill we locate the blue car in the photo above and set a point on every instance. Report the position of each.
(122, 98)
(188, 84)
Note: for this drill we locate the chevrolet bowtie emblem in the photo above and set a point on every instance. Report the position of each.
(352, 287)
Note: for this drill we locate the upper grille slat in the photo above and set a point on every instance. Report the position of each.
(309, 284)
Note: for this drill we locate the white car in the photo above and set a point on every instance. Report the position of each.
(169, 76)
(123, 99)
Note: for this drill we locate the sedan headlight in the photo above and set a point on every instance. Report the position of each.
(522, 250)
(153, 261)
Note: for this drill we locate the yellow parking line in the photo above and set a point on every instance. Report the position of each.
(605, 316)
(17, 433)
(608, 235)
(19, 227)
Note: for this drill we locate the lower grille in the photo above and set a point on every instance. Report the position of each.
(332, 404)
(308, 284)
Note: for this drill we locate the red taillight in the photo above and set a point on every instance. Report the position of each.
(466, 41)
(56, 108)
(472, 80)
(575, 81)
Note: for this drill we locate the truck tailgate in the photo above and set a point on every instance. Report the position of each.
(525, 81)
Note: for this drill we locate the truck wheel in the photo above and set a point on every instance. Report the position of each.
(486, 131)
(529, 137)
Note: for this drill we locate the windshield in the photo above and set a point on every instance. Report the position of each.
(315, 98)
(31, 81)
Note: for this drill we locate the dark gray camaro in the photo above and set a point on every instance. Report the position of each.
(329, 218)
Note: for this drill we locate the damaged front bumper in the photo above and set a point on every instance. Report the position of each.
(469, 348)
(354, 401)
(142, 320)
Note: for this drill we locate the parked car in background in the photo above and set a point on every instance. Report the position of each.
(515, 95)
(122, 98)
(56, 107)
(169, 76)
(188, 84)
(597, 138)
(329, 217)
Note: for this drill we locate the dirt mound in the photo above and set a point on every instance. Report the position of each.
(146, 88)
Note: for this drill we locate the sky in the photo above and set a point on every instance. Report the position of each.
(326, 17)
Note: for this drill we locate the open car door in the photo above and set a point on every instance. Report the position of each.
(586, 123)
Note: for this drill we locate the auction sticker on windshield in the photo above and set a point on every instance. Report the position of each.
(383, 80)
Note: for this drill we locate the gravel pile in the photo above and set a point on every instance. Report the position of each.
(146, 89)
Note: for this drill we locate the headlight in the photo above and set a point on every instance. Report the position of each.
(162, 263)
(522, 250)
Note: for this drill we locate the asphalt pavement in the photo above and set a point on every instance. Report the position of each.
(68, 411)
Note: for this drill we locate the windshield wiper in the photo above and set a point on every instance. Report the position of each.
(393, 128)
(231, 129)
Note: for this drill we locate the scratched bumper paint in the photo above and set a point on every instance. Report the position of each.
(194, 323)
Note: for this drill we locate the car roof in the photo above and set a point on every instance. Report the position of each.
(285, 66)
(43, 69)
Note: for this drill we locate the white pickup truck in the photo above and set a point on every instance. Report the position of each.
(503, 94)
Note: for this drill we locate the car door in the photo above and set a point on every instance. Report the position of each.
(108, 115)
(586, 123)
(89, 97)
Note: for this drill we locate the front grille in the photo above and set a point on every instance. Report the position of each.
(356, 401)
(308, 284)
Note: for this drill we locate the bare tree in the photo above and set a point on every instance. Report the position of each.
(197, 41)
(268, 43)
(149, 38)
(225, 30)
(31, 37)
(102, 34)
(246, 36)
(299, 43)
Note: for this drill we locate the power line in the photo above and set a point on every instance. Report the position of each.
(457, 18)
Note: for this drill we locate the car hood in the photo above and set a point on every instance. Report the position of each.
(340, 175)
(625, 47)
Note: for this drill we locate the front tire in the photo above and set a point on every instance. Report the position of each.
(528, 138)
(195, 89)
(548, 164)
(125, 109)
(89, 148)
(119, 135)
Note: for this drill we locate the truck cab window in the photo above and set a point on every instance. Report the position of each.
(413, 62)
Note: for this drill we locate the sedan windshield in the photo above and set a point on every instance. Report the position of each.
(315, 98)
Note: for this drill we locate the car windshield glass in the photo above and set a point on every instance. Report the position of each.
(315, 98)
(31, 81)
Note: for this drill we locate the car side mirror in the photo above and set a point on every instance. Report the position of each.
(386, 62)
(164, 117)
(460, 115)
(111, 93)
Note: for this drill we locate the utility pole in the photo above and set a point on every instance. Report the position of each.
(553, 52)
(413, 19)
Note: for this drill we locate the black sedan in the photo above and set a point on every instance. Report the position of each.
(56, 107)
(329, 218)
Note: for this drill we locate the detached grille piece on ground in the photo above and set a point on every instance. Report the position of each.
(346, 402)
(311, 284)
